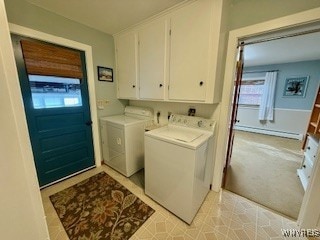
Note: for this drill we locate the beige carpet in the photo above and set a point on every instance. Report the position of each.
(263, 169)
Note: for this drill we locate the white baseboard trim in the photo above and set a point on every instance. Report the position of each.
(270, 132)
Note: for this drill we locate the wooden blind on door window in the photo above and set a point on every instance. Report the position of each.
(49, 60)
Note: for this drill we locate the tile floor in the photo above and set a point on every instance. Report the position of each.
(223, 215)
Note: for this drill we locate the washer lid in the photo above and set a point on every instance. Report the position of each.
(184, 135)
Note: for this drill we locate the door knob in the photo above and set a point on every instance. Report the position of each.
(201, 83)
(89, 123)
(160, 85)
(133, 86)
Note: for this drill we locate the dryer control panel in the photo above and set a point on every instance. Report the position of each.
(192, 122)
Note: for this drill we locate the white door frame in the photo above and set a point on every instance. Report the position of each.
(19, 186)
(28, 32)
(294, 20)
(309, 216)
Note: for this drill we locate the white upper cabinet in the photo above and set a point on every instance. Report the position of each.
(152, 59)
(189, 53)
(178, 58)
(127, 65)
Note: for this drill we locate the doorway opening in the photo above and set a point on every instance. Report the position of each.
(271, 115)
(54, 88)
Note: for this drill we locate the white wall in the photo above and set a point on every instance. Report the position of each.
(22, 214)
(290, 123)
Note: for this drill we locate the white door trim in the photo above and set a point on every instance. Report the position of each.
(22, 179)
(28, 32)
(309, 216)
(294, 20)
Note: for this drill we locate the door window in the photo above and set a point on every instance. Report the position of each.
(53, 92)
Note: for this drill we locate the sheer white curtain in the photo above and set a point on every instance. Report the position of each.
(267, 99)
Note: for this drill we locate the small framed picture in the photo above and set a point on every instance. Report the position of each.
(296, 86)
(105, 74)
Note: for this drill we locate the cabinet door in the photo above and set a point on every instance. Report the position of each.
(152, 56)
(126, 53)
(189, 53)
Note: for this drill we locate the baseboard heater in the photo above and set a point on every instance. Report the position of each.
(270, 132)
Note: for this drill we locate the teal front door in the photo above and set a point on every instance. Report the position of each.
(58, 114)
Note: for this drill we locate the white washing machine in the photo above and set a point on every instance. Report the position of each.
(179, 164)
(123, 139)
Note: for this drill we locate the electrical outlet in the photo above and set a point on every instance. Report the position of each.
(191, 111)
(100, 105)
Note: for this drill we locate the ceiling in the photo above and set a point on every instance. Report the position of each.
(112, 16)
(109, 16)
(293, 49)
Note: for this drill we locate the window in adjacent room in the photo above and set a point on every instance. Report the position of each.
(251, 91)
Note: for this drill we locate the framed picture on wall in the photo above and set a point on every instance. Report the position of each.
(296, 86)
(105, 74)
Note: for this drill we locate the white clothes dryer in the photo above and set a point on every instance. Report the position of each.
(179, 164)
(122, 138)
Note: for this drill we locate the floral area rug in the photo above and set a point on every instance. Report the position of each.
(100, 208)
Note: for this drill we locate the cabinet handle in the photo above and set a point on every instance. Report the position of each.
(133, 86)
(160, 85)
(201, 83)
